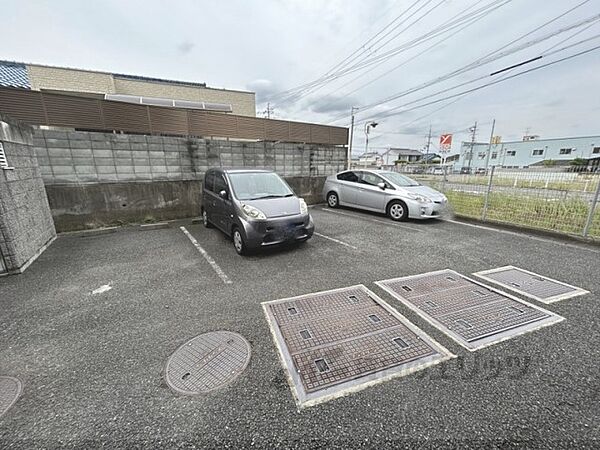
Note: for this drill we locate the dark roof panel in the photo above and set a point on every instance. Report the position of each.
(14, 75)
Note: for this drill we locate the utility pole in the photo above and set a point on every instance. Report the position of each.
(487, 157)
(428, 140)
(353, 110)
(473, 137)
(267, 112)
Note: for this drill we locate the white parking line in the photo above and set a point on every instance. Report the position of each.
(337, 241)
(208, 258)
(370, 219)
(528, 236)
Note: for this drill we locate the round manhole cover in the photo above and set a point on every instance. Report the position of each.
(10, 389)
(207, 362)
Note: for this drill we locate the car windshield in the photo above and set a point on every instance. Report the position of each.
(399, 180)
(256, 185)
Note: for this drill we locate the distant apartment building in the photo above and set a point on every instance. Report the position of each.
(530, 153)
(126, 88)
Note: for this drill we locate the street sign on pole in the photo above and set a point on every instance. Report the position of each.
(445, 142)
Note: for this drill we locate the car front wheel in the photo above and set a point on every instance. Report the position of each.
(397, 210)
(238, 242)
(332, 200)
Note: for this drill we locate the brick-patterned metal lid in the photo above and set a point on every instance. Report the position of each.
(207, 362)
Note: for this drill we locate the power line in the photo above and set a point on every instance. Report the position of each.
(345, 69)
(359, 49)
(490, 57)
(403, 63)
(445, 27)
(481, 78)
(566, 58)
(438, 31)
(546, 52)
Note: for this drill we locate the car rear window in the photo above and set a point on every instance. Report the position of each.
(348, 176)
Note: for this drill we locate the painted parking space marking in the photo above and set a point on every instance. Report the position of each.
(206, 256)
(337, 241)
(102, 289)
(10, 391)
(473, 314)
(370, 219)
(530, 284)
(339, 341)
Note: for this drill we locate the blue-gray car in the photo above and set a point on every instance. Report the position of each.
(256, 208)
(391, 193)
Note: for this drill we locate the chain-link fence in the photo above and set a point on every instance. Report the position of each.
(564, 200)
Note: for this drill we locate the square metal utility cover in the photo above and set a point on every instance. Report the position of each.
(343, 340)
(531, 285)
(472, 313)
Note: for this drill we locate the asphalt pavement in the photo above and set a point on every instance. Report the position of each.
(92, 364)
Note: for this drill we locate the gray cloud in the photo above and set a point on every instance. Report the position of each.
(263, 88)
(332, 104)
(186, 47)
(269, 46)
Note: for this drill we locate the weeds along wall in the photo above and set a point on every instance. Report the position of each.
(100, 179)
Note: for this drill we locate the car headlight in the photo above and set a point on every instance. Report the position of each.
(420, 198)
(303, 206)
(253, 213)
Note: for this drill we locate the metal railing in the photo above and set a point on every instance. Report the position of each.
(561, 200)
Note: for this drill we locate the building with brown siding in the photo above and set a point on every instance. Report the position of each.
(99, 84)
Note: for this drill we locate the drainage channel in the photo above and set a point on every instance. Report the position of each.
(471, 313)
(343, 340)
(530, 284)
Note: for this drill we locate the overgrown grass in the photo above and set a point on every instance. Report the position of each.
(583, 183)
(587, 184)
(563, 216)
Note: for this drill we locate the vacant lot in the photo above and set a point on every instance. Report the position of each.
(92, 364)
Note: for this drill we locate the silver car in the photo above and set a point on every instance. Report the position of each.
(394, 194)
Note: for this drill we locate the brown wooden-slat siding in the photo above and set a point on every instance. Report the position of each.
(38, 108)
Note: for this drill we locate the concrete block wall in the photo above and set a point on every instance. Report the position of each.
(101, 179)
(74, 157)
(26, 224)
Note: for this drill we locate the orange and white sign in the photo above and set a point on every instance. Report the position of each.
(445, 142)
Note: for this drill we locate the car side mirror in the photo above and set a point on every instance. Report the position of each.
(381, 186)
(223, 194)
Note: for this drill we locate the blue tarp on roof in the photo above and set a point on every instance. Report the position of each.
(13, 74)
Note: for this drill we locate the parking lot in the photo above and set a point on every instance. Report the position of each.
(88, 329)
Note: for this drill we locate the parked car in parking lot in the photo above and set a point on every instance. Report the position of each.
(480, 171)
(256, 208)
(465, 170)
(437, 171)
(394, 194)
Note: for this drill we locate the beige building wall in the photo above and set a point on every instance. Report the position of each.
(42, 77)
(65, 79)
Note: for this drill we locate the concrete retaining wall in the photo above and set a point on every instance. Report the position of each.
(95, 205)
(101, 179)
(26, 225)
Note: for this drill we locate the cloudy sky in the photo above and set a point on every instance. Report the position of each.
(271, 47)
